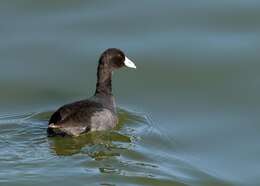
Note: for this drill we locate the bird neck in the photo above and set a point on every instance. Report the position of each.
(104, 79)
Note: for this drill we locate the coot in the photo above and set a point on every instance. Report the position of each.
(98, 112)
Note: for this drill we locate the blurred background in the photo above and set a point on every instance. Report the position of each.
(196, 86)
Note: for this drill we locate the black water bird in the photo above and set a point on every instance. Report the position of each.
(98, 112)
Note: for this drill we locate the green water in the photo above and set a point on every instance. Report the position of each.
(189, 114)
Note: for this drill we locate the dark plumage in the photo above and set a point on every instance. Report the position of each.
(98, 112)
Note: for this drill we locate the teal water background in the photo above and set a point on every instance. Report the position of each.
(189, 114)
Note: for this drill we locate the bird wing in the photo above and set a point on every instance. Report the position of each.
(75, 109)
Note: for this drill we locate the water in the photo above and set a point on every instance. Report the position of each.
(189, 115)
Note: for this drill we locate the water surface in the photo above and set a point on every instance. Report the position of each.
(188, 114)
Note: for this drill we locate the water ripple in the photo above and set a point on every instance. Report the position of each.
(135, 150)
